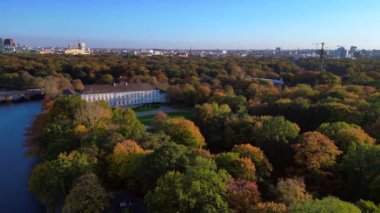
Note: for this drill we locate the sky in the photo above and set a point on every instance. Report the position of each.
(196, 24)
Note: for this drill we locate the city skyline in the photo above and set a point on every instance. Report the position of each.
(194, 24)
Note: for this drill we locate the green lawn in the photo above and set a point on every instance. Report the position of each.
(147, 120)
(146, 108)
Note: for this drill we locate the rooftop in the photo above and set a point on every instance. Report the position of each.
(130, 87)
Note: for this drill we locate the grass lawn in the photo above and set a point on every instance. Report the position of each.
(147, 120)
(146, 108)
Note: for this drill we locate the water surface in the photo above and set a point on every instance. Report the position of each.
(15, 167)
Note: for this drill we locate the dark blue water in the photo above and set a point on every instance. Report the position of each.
(15, 167)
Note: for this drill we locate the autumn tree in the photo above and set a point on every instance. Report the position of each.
(263, 167)
(346, 136)
(292, 191)
(270, 207)
(125, 161)
(94, 114)
(183, 132)
(159, 119)
(239, 168)
(86, 195)
(77, 85)
(316, 152)
(242, 195)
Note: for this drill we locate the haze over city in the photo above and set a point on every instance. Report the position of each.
(245, 24)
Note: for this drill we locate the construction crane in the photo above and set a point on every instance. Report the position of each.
(322, 56)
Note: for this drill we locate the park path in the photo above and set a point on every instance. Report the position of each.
(166, 109)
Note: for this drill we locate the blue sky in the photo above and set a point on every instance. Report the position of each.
(225, 24)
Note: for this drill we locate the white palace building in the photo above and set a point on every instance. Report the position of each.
(124, 95)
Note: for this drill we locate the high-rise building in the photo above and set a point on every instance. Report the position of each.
(9, 43)
(341, 52)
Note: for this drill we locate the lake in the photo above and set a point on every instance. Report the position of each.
(15, 167)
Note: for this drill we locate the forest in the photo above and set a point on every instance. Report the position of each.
(250, 146)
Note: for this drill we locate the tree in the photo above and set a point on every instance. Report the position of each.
(94, 114)
(240, 168)
(52, 179)
(346, 136)
(242, 195)
(210, 119)
(239, 130)
(270, 207)
(65, 107)
(168, 157)
(106, 79)
(360, 167)
(87, 195)
(125, 162)
(200, 189)
(78, 85)
(374, 189)
(367, 206)
(316, 152)
(328, 204)
(263, 167)
(277, 129)
(328, 78)
(183, 132)
(275, 136)
(128, 124)
(159, 119)
(292, 191)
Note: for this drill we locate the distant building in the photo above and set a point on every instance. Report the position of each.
(9, 43)
(1, 43)
(80, 49)
(341, 52)
(124, 95)
(47, 51)
(278, 83)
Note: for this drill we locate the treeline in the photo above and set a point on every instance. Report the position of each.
(25, 71)
(250, 147)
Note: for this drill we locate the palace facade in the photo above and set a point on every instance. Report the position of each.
(124, 95)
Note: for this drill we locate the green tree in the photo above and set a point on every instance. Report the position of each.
(275, 137)
(210, 119)
(200, 189)
(367, 206)
(360, 167)
(328, 204)
(52, 179)
(87, 195)
(128, 124)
